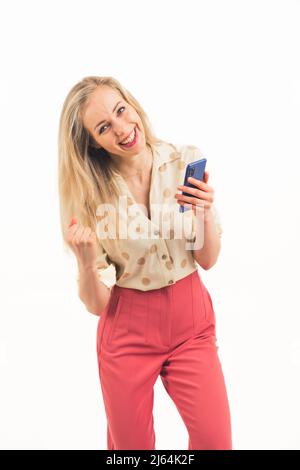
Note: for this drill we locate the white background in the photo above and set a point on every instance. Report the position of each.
(222, 75)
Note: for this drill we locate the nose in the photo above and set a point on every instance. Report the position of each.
(120, 132)
(120, 126)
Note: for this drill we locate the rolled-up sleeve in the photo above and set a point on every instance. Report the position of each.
(217, 219)
(105, 268)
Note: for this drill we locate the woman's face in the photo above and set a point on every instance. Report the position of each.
(109, 119)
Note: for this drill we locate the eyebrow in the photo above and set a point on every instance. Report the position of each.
(104, 120)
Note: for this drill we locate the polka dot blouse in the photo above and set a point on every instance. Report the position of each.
(144, 252)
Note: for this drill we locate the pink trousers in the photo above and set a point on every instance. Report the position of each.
(168, 332)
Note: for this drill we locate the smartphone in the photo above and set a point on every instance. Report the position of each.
(196, 170)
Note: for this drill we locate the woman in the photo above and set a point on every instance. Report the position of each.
(120, 190)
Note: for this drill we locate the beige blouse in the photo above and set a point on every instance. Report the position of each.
(149, 253)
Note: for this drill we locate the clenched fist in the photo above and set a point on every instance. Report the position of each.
(83, 242)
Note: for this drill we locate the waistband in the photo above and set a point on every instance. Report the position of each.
(129, 291)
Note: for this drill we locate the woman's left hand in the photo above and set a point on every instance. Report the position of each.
(203, 192)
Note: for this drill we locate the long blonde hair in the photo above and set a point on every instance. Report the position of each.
(85, 175)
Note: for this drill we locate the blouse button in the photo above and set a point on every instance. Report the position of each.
(156, 232)
(164, 256)
(171, 281)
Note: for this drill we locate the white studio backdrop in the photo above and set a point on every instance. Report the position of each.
(224, 76)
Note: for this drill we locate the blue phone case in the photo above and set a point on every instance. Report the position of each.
(196, 170)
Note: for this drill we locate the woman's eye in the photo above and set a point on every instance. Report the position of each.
(105, 125)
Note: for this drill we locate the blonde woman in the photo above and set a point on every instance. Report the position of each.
(120, 188)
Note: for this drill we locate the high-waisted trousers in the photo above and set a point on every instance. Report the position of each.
(168, 332)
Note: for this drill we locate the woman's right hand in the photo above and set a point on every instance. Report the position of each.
(83, 242)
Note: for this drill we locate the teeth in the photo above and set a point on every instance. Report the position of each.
(130, 138)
